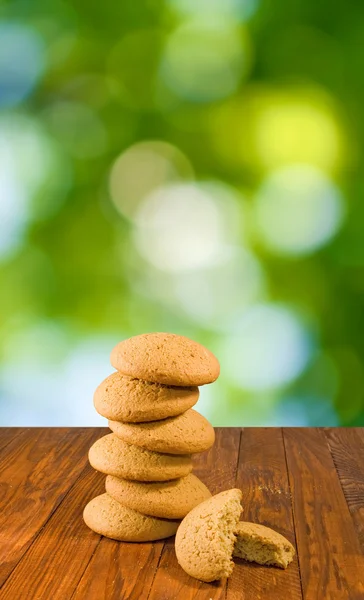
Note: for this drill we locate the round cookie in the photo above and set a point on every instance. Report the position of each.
(112, 456)
(113, 520)
(123, 398)
(205, 539)
(168, 500)
(165, 358)
(185, 434)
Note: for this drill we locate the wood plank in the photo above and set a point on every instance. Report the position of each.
(47, 551)
(36, 471)
(263, 478)
(331, 563)
(347, 449)
(56, 560)
(217, 468)
(119, 571)
(7, 434)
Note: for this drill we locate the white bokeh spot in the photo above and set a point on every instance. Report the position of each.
(297, 210)
(143, 168)
(268, 348)
(186, 226)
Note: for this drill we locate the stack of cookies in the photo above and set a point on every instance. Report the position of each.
(147, 457)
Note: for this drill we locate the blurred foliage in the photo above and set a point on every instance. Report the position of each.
(243, 89)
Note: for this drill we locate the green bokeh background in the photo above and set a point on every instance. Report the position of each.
(257, 101)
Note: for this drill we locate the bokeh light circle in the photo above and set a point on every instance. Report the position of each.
(78, 128)
(141, 169)
(213, 297)
(204, 60)
(268, 348)
(12, 210)
(297, 210)
(34, 177)
(209, 297)
(305, 411)
(290, 128)
(186, 226)
(22, 62)
(29, 380)
(268, 128)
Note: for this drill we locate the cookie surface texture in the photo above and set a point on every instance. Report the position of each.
(205, 539)
(185, 434)
(168, 500)
(165, 358)
(263, 545)
(131, 400)
(107, 517)
(112, 456)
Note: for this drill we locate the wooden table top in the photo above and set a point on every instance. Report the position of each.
(306, 483)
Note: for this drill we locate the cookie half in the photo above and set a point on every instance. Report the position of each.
(123, 398)
(262, 545)
(109, 518)
(165, 358)
(185, 434)
(169, 499)
(112, 456)
(205, 539)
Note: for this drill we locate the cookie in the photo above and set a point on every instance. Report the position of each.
(262, 545)
(112, 456)
(205, 539)
(165, 358)
(169, 499)
(113, 520)
(131, 400)
(185, 434)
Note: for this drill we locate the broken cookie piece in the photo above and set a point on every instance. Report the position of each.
(260, 544)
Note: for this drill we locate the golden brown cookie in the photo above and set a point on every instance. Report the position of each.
(109, 518)
(165, 358)
(168, 500)
(262, 545)
(112, 456)
(205, 539)
(185, 434)
(131, 400)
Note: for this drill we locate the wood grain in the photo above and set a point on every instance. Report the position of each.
(331, 563)
(8, 434)
(119, 571)
(63, 547)
(46, 551)
(263, 479)
(36, 471)
(217, 468)
(347, 449)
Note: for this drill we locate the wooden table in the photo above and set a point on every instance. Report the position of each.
(306, 483)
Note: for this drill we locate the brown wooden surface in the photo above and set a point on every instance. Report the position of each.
(262, 476)
(306, 483)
